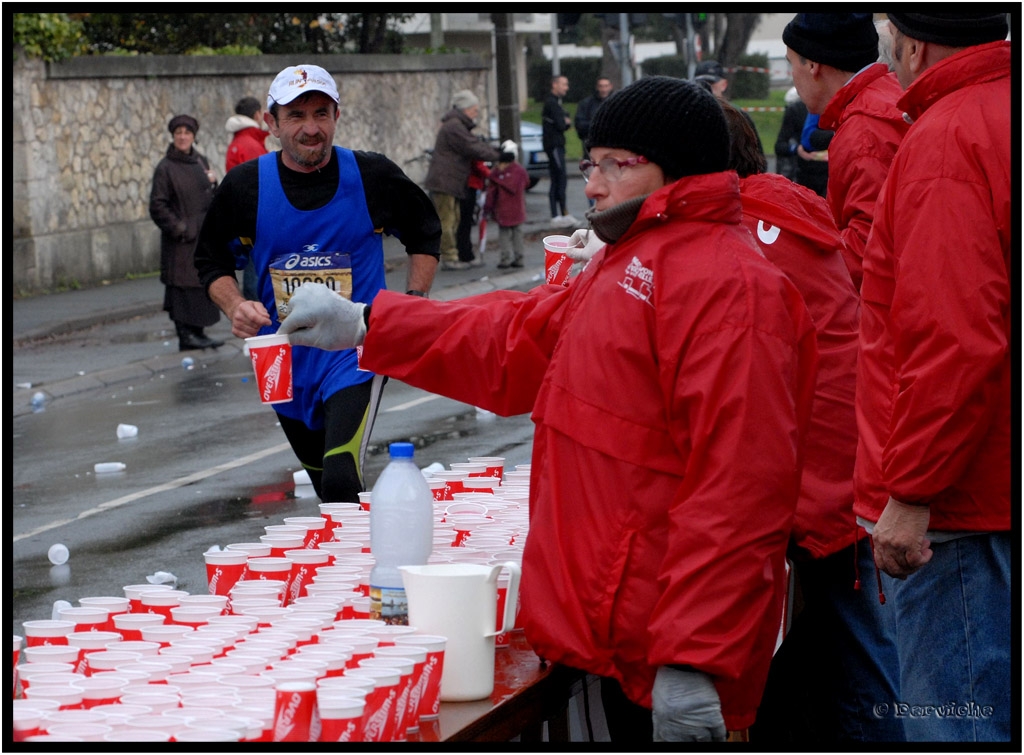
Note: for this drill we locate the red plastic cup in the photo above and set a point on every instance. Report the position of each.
(224, 569)
(495, 464)
(295, 712)
(113, 605)
(47, 632)
(160, 601)
(379, 714)
(430, 696)
(305, 562)
(271, 568)
(101, 689)
(129, 625)
(134, 592)
(418, 655)
(253, 549)
(87, 618)
(315, 527)
(401, 712)
(18, 640)
(271, 358)
(341, 718)
(556, 262)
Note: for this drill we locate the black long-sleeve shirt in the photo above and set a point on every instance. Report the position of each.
(395, 203)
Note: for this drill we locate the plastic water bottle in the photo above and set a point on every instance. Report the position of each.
(401, 532)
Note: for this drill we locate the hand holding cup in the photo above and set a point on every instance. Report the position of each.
(322, 319)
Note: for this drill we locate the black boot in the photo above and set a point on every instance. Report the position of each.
(191, 337)
(205, 340)
(187, 340)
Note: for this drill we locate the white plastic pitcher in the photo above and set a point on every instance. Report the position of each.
(459, 601)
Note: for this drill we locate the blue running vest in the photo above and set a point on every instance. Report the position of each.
(336, 245)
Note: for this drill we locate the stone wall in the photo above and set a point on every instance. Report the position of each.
(88, 132)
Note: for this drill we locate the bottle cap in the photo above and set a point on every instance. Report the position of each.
(401, 450)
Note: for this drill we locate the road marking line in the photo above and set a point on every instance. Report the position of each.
(411, 404)
(180, 482)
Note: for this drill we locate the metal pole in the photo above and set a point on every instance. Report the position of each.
(555, 70)
(691, 51)
(624, 62)
(436, 31)
(505, 70)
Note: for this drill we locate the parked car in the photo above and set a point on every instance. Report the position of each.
(531, 148)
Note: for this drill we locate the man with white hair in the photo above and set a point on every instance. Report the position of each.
(455, 150)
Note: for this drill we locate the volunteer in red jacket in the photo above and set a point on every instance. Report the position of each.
(839, 658)
(248, 140)
(934, 398)
(833, 58)
(670, 385)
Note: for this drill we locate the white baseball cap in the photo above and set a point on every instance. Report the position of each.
(296, 80)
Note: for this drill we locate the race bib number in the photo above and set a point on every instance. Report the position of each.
(287, 273)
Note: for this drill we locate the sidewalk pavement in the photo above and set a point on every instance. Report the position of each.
(106, 311)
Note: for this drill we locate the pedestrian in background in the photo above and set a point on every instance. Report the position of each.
(839, 657)
(469, 214)
(315, 211)
(456, 149)
(935, 396)
(248, 141)
(506, 203)
(710, 74)
(794, 161)
(679, 350)
(587, 108)
(554, 123)
(180, 196)
(834, 60)
(248, 133)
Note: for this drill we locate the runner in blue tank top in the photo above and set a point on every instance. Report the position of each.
(315, 212)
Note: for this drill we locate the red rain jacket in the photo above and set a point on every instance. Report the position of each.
(796, 231)
(670, 385)
(248, 143)
(869, 128)
(934, 379)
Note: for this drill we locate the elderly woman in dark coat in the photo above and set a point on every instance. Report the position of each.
(183, 187)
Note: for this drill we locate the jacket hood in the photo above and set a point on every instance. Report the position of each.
(780, 202)
(973, 65)
(237, 123)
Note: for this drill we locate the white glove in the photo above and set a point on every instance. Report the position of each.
(585, 244)
(510, 146)
(320, 318)
(686, 707)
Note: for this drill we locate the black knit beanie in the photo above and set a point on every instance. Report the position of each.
(952, 29)
(676, 124)
(184, 120)
(847, 41)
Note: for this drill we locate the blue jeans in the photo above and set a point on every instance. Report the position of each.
(837, 662)
(953, 633)
(559, 181)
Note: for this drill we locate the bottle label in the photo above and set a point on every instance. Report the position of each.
(389, 604)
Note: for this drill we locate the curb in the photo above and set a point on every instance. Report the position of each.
(151, 366)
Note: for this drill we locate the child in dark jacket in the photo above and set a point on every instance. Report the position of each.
(506, 203)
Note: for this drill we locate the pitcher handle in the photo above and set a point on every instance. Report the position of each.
(508, 620)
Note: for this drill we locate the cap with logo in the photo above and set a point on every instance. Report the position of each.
(298, 80)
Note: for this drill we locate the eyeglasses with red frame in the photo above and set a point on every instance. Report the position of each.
(610, 167)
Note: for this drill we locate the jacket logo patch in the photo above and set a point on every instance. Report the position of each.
(638, 281)
(767, 234)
